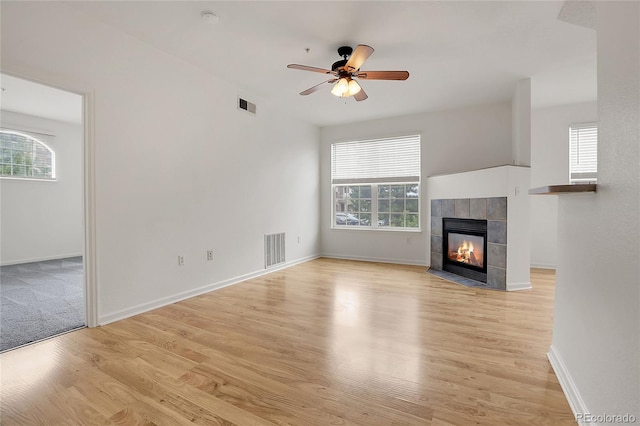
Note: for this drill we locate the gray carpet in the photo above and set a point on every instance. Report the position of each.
(39, 300)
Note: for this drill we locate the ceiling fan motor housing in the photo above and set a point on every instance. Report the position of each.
(345, 52)
(339, 64)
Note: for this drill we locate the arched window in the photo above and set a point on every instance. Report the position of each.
(22, 156)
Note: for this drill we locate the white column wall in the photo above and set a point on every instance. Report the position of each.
(521, 123)
(596, 330)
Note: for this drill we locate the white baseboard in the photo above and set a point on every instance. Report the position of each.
(543, 266)
(518, 286)
(374, 259)
(567, 384)
(39, 259)
(163, 301)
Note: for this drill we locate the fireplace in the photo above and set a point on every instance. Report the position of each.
(465, 247)
(506, 259)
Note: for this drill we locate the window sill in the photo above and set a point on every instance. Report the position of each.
(362, 228)
(10, 178)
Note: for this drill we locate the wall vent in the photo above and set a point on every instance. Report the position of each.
(246, 105)
(273, 249)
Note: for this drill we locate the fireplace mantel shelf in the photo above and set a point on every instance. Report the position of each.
(564, 189)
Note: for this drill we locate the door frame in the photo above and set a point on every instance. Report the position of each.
(89, 209)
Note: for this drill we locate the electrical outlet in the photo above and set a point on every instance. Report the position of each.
(209, 254)
(180, 260)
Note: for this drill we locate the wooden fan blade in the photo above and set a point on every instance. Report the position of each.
(357, 58)
(308, 68)
(383, 75)
(317, 87)
(361, 95)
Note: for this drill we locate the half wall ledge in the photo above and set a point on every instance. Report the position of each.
(582, 188)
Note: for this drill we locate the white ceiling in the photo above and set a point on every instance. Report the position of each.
(458, 53)
(36, 99)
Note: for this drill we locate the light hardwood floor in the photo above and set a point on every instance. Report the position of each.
(327, 342)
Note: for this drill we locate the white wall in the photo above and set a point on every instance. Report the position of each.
(550, 166)
(596, 331)
(451, 141)
(42, 220)
(521, 123)
(178, 168)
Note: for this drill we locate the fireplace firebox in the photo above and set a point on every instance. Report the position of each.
(465, 247)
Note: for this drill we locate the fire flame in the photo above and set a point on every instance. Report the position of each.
(465, 248)
(465, 254)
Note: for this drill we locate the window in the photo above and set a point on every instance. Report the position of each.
(22, 156)
(376, 184)
(583, 152)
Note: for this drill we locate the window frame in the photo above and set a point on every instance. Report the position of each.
(34, 140)
(375, 184)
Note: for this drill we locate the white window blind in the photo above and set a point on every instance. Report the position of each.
(377, 160)
(583, 152)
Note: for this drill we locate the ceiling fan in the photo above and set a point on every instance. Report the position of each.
(346, 70)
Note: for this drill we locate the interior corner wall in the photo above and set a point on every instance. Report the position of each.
(596, 328)
(179, 169)
(521, 123)
(43, 220)
(452, 141)
(550, 166)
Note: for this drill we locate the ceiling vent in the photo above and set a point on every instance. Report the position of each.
(246, 105)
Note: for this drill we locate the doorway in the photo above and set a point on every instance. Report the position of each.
(42, 199)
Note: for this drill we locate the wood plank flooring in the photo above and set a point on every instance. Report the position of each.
(327, 342)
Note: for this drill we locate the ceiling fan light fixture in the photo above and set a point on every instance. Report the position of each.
(345, 87)
(335, 90)
(354, 87)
